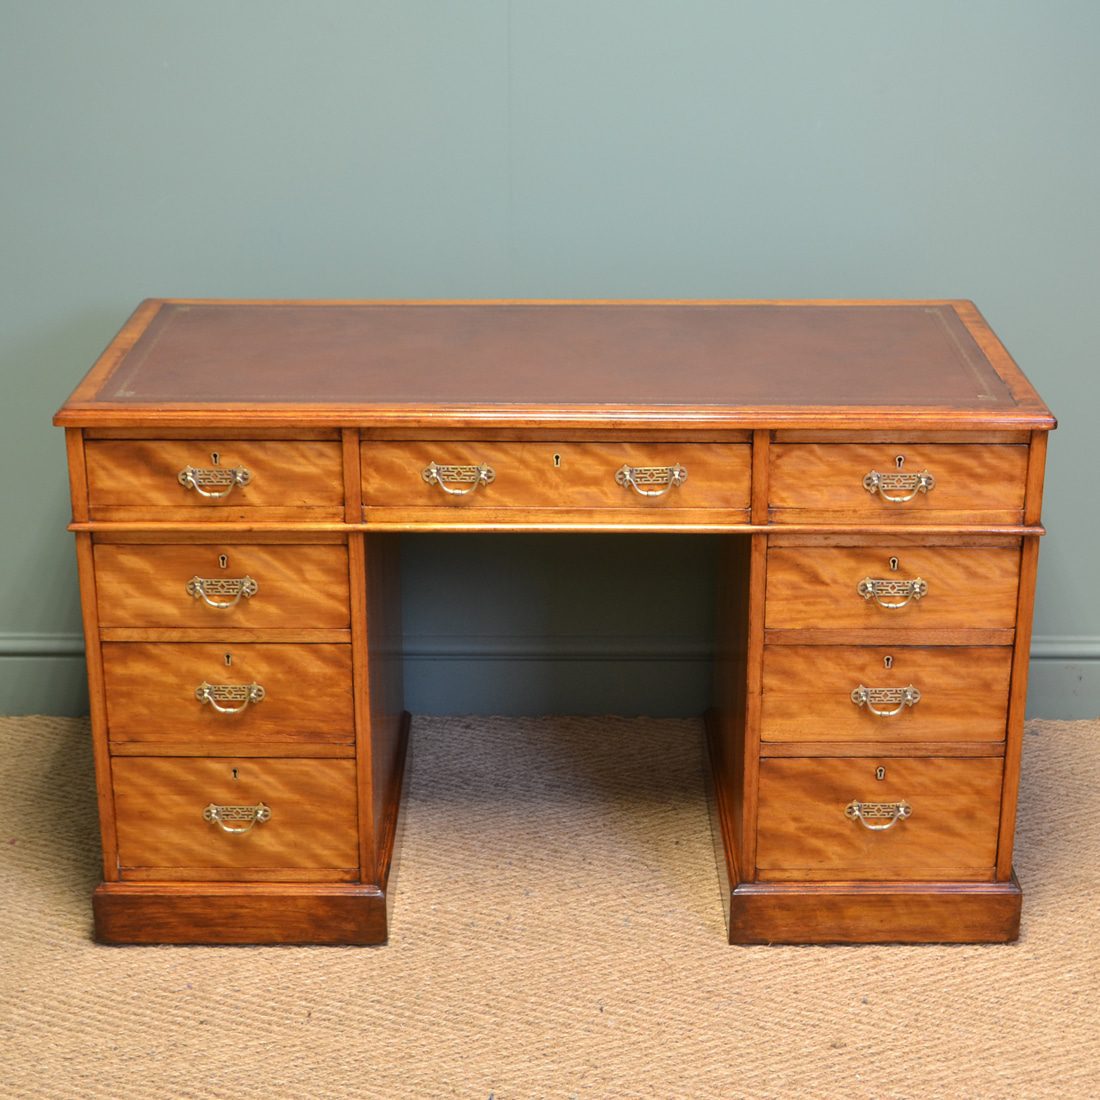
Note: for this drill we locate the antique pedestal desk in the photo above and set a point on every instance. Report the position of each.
(241, 472)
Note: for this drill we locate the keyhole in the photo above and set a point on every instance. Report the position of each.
(215, 457)
(229, 660)
(888, 661)
(223, 560)
(899, 461)
(894, 564)
(557, 461)
(880, 772)
(234, 773)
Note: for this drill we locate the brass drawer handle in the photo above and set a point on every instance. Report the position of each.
(634, 477)
(203, 588)
(875, 699)
(890, 593)
(866, 812)
(473, 476)
(213, 481)
(218, 694)
(885, 484)
(224, 816)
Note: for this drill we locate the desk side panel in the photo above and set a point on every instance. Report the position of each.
(731, 728)
(78, 488)
(385, 715)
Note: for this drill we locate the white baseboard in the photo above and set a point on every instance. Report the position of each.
(609, 674)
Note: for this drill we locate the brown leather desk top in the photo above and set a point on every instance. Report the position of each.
(658, 364)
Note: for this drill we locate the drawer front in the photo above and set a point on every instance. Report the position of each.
(867, 693)
(214, 479)
(886, 588)
(824, 818)
(202, 692)
(166, 828)
(897, 483)
(224, 586)
(441, 476)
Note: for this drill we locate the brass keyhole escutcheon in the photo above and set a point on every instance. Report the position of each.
(887, 661)
(899, 461)
(880, 772)
(215, 458)
(223, 560)
(228, 660)
(894, 563)
(557, 462)
(234, 770)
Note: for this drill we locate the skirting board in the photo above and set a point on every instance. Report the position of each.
(43, 685)
(44, 674)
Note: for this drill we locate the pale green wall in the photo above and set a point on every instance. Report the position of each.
(355, 149)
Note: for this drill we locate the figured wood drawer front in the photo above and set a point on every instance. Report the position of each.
(887, 588)
(831, 818)
(210, 693)
(228, 818)
(215, 479)
(867, 693)
(463, 476)
(897, 483)
(222, 586)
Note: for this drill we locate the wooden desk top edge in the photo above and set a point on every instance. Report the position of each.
(83, 409)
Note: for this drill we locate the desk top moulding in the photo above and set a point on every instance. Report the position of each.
(238, 470)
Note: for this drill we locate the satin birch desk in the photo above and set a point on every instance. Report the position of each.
(241, 473)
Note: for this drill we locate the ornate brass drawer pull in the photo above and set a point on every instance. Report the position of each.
(218, 694)
(876, 699)
(890, 593)
(204, 588)
(634, 477)
(225, 816)
(885, 484)
(473, 476)
(213, 481)
(866, 812)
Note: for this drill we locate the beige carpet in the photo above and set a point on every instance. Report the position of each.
(557, 934)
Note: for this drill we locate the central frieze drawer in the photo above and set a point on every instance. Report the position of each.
(885, 693)
(888, 588)
(972, 483)
(222, 586)
(868, 818)
(464, 476)
(230, 818)
(222, 480)
(220, 692)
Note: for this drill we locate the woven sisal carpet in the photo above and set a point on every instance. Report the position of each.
(557, 933)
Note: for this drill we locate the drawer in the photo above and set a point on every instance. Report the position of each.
(217, 693)
(190, 819)
(887, 589)
(225, 586)
(830, 818)
(903, 693)
(223, 480)
(437, 476)
(897, 483)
